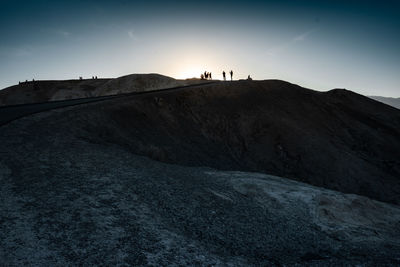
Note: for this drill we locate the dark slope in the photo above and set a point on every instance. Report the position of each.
(338, 140)
(74, 192)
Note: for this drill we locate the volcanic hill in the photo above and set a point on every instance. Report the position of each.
(338, 140)
(244, 173)
(43, 91)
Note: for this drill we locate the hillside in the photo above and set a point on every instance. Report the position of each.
(43, 91)
(139, 83)
(249, 173)
(338, 140)
(68, 200)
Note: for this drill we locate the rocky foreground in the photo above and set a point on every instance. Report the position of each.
(97, 184)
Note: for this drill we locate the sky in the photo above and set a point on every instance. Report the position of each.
(317, 44)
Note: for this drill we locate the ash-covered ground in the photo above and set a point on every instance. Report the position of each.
(130, 182)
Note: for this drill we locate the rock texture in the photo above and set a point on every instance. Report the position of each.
(66, 200)
(338, 140)
(164, 179)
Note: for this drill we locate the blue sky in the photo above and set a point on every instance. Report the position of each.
(317, 44)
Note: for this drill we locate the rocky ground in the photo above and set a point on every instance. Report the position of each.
(338, 140)
(76, 187)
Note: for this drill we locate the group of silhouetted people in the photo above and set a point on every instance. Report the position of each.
(224, 75)
(26, 81)
(206, 76)
(80, 78)
(93, 78)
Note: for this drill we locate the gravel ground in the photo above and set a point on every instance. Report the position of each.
(66, 201)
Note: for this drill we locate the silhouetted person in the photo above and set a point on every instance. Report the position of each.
(210, 76)
(202, 76)
(224, 75)
(231, 73)
(80, 78)
(249, 78)
(96, 77)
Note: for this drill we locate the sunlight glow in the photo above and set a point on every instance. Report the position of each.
(187, 72)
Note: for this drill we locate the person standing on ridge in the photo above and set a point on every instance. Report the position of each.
(209, 74)
(223, 75)
(231, 73)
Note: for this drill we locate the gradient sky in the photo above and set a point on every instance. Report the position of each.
(316, 44)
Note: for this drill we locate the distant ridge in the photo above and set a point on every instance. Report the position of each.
(141, 82)
(391, 101)
(51, 90)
